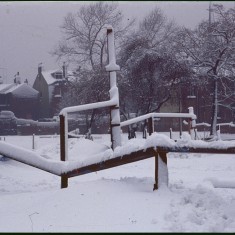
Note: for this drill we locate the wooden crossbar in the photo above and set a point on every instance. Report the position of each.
(114, 162)
(141, 155)
(157, 152)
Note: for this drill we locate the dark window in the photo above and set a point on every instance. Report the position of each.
(58, 75)
(57, 91)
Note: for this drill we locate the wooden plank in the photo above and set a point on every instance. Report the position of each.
(185, 149)
(141, 155)
(114, 162)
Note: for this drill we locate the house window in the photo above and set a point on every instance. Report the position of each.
(192, 92)
(58, 75)
(57, 91)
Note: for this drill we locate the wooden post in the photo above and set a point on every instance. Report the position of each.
(64, 178)
(144, 133)
(170, 133)
(192, 122)
(150, 125)
(64, 181)
(155, 186)
(161, 171)
(180, 125)
(163, 156)
(33, 144)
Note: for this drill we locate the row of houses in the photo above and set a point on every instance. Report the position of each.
(36, 102)
(41, 100)
(19, 98)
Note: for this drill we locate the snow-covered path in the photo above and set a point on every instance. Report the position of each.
(120, 199)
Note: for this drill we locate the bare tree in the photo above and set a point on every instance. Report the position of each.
(150, 69)
(84, 41)
(85, 46)
(211, 50)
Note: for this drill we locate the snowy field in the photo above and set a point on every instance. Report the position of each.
(200, 196)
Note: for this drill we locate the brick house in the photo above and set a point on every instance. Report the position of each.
(200, 97)
(51, 86)
(20, 98)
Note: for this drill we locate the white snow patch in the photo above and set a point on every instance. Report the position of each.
(119, 199)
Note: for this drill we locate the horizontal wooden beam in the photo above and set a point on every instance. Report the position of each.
(142, 155)
(119, 160)
(114, 162)
(185, 149)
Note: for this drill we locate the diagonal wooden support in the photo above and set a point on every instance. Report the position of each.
(161, 170)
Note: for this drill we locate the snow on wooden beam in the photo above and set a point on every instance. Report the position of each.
(30, 158)
(113, 162)
(84, 107)
(157, 145)
(157, 115)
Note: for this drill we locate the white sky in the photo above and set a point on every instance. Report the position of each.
(30, 30)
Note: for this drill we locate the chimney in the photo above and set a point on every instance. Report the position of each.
(64, 70)
(17, 78)
(1, 80)
(40, 68)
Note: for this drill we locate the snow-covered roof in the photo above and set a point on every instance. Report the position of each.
(50, 78)
(19, 90)
(5, 87)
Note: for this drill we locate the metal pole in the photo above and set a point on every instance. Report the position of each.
(112, 67)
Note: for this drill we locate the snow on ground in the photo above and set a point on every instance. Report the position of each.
(200, 196)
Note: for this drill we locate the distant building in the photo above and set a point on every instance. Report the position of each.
(19, 98)
(51, 86)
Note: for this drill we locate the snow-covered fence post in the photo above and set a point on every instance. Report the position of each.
(150, 125)
(33, 142)
(161, 170)
(192, 122)
(195, 131)
(63, 147)
(170, 133)
(112, 67)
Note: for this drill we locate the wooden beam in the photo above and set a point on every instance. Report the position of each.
(185, 149)
(118, 161)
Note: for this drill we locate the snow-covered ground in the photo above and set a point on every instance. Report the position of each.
(200, 196)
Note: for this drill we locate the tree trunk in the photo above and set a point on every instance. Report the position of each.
(214, 109)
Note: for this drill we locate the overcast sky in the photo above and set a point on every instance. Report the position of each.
(30, 30)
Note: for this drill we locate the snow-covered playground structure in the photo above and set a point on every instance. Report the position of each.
(156, 145)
